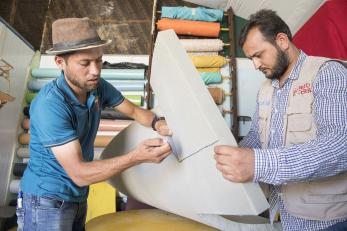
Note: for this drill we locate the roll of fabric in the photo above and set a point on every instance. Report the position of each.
(135, 99)
(14, 186)
(107, 133)
(29, 96)
(186, 27)
(23, 152)
(26, 123)
(119, 74)
(113, 125)
(100, 141)
(196, 14)
(109, 113)
(202, 44)
(24, 138)
(26, 111)
(208, 61)
(18, 169)
(211, 77)
(209, 69)
(217, 94)
(206, 53)
(35, 85)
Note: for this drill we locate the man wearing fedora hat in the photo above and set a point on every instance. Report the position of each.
(64, 119)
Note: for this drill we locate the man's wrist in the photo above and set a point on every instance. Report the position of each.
(155, 120)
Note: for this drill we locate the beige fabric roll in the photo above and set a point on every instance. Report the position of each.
(202, 44)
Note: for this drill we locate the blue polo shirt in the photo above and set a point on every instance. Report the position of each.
(56, 118)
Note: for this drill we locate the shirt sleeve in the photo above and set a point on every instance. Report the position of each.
(111, 97)
(51, 124)
(252, 139)
(327, 154)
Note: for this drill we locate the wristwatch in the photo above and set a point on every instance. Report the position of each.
(155, 120)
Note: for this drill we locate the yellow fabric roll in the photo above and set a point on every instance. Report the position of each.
(209, 69)
(209, 61)
(144, 220)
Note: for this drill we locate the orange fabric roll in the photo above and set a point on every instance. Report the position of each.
(24, 138)
(113, 125)
(186, 27)
(100, 141)
(217, 94)
(26, 123)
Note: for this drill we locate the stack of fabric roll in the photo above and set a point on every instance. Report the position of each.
(129, 78)
(204, 45)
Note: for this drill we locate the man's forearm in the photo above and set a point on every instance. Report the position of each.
(100, 170)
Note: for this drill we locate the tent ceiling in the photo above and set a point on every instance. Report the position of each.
(294, 13)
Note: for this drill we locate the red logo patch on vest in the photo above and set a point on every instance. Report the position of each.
(302, 89)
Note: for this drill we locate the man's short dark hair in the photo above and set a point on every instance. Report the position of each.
(269, 24)
(66, 56)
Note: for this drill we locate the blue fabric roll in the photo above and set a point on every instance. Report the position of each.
(122, 85)
(211, 77)
(196, 14)
(117, 74)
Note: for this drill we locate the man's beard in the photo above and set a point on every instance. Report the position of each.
(75, 81)
(281, 65)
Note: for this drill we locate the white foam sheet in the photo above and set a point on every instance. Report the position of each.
(192, 187)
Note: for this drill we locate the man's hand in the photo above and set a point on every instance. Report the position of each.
(236, 164)
(162, 128)
(151, 151)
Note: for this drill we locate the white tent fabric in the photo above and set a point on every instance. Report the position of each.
(294, 13)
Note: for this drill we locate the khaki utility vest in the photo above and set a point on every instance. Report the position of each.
(324, 199)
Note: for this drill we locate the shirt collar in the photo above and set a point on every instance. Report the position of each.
(69, 95)
(294, 74)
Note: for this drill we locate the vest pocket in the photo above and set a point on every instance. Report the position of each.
(329, 190)
(300, 128)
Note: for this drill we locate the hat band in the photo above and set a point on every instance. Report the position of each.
(75, 44)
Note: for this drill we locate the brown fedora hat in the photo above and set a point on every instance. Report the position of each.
(74, 34)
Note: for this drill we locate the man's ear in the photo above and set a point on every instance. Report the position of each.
(59, 61)
(282, 41)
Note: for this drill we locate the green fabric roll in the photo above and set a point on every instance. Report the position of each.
(196, 14)
(29, 96)
(119, 74)
(135, 99)
(211, 77)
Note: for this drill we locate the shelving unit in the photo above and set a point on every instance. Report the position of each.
(229, 52)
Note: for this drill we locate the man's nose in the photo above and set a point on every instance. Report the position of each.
(95, 68)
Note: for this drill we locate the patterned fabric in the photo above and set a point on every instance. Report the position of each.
(322, 157)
